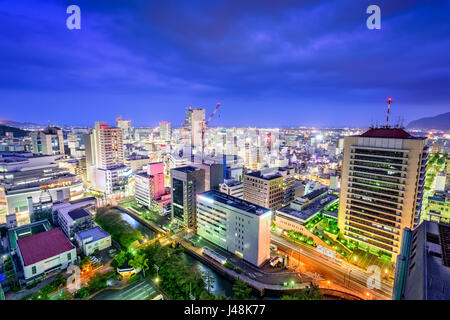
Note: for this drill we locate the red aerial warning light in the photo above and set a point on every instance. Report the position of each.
(389, 100)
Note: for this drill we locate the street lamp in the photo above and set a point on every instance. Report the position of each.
(157, 273)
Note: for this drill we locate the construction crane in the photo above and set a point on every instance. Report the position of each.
(204, 125)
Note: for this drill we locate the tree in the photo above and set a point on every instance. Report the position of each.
(42, 214)
(139, 262)
(120, 259)
(85, 263)
(241, 291)
(290, 297)
(311, 293)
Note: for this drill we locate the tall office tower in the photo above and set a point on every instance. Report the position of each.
(264, 189)
(383, 175)
(213, 174)
(125, 125)
(150, 185)
(164, 131)
(195, 118)
(89, 149)
(49, 141)
(186, 183)
(235, 225)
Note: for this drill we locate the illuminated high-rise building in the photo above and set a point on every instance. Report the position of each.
(164, 131)
(383, 177)
(186, 183)
(195, 119)
(125, 125)
(105, 159)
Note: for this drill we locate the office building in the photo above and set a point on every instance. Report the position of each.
(149, 186)
(186, 183)
(195, 119)
(49, 141)
(264, 189)
(125, 125)
(423, 265)
(233, 188)
(235, 225)
(383, 175)
(74, 221)
(164, 131)
(213, 174)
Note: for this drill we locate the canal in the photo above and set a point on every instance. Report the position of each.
(221, 285)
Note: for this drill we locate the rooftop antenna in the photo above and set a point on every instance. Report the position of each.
(402, 120)
(389, 106)
(398, 122)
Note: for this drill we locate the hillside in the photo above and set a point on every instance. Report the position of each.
(439, 122)
(16, 131)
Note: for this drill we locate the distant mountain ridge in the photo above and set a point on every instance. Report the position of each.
(20, 125)
(16, 131)
(439, 122)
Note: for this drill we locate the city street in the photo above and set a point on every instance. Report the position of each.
(339, 274)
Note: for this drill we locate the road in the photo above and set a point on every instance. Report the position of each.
(340, 274)
(138, 291)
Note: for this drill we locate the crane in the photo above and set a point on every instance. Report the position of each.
(205, 124)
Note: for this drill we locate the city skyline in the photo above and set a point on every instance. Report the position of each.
(148, 61)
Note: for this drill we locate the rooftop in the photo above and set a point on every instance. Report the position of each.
(388, 132)
(315, 193)
(43, 245)
(267, 176)
(228, 200)
(187, 169)
(78, 213)
(232, 183)
(96, 233)
(302, 215)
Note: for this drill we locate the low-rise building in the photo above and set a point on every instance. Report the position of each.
(74, 216)
(438, 207)
(233, 188)
(93, 239)
(45, 253)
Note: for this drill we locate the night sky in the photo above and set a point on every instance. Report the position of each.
(270, 63)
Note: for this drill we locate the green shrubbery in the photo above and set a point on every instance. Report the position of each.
(175, 277)
(119, 229)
